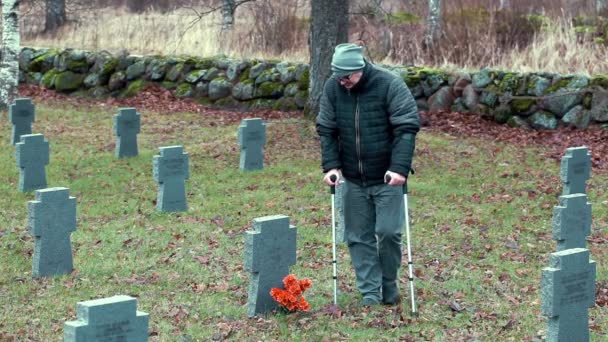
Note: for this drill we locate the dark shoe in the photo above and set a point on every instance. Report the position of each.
(390, 294)
(370, 301)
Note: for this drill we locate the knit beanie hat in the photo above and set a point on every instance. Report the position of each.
(348, 58)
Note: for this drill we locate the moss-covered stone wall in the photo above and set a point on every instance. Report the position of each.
(534, 100)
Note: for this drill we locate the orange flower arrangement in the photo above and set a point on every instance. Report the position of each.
(291, 297)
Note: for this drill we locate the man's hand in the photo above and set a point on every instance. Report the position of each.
(327, 178)
(396, 178)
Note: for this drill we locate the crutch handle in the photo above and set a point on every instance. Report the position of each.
(333, 178)
(387, 179)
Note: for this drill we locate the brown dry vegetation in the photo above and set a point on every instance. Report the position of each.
(532, 36)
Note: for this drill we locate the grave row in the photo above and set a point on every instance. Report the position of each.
(568, 284)
(52, 219)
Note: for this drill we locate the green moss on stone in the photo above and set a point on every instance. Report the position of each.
(168, 85)
(48, 80)
(269, 88)
(522, 105)
(183, 90)
(80, 66)
(205, 63)
(600, 80)
(558, 85)
(205, 101)
(411, 80)
(109, 67)
(285, 104)
(245, 75)
(509, 82)
(304, 80)
(68, 81)
(37, 63)
(227, 101)
(587, 100)
(134, 88)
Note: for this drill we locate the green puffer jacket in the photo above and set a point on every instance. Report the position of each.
(368, 129)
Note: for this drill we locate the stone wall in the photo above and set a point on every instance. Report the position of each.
(535, 100)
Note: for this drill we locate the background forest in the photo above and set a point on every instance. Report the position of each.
(565, 36)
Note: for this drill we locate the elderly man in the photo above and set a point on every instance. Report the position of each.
(368, 121)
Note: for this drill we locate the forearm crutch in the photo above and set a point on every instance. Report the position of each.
(410, 263)
(333, 178)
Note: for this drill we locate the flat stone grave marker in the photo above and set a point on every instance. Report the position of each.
(107, 319)
(126, 125)
(51, 220)
(575, 170)
(171, 169)
(32, 155)
(269, 251)
(572, 221)
(568, 291)
(21, 114)
(252, 138)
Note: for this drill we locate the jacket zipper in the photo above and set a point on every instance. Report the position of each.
(358, 139)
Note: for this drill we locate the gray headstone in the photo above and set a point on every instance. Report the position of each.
(107, 319)
(252, 138)
(51, 220)
(568, 290)
(572, 221)
(32, 155)
(126, 126)
(269, 251)
(171, 169)
(575, 170)
(21, 114)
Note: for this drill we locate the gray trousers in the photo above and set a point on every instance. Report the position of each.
(373, 221)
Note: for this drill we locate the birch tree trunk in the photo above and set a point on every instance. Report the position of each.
(433, 27)
(9, 63)
(570, 8)
(328, 28)
(505, 5)
(55, 15)
(228, 9)
(600, 5)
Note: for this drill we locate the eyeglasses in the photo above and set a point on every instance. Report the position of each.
(345, 78)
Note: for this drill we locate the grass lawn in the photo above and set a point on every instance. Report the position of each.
(481, 217)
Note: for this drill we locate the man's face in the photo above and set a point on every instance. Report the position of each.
(351, 80)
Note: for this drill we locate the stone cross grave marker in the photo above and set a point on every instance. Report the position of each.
(575, 170)
(21, 114)
(252, 138)
(269, 251)
(32, 155)
(107, 319)
(51, 220)
(572, 221)
(126, 126)
(171, 169)
(568, 290)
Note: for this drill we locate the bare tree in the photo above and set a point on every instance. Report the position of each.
(9, 64)
(55, 14)
(504, 5)
(328, 27)
(600, 5)
(570, 8)
(228, 9)
(433, 27)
